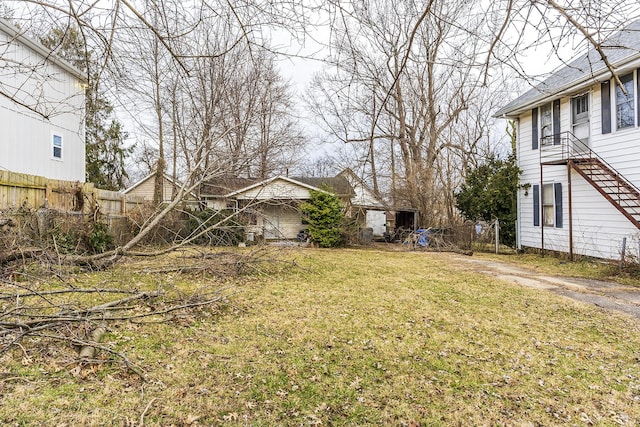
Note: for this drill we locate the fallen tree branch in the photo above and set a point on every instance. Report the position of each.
(67, 291)
(128, 363)
(19, 254)
(141, 423)
(87, 351)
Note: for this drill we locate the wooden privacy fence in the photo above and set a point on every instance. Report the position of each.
(34, 192)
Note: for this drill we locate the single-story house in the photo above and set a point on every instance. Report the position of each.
(272, 205)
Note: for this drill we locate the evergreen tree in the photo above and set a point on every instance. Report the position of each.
(325, 215)
(490, 191)
(104, 134)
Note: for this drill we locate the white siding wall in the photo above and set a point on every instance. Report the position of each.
(377, 220)
(598, 227)
(276, 189)
(278, 221)
(529, 163)
(146, 188)
(26, 143)
(281, 222)
(363, 196)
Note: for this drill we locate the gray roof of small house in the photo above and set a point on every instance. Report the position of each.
(223, 185)
(621, 48)
(339, 185)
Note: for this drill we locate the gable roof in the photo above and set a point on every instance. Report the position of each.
(365, 191)
(266, 183)
(339, 185)
(620, 49)
(152, 175)
(15, 33)
(229, 186)
(223, 185)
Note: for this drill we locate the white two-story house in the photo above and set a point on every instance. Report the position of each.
(578, 146)
(42, 105)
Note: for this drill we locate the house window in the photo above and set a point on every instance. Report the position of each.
(551, 205)
(548, 208)
(625, 112)
(57, 146)
(580, 106)
(546, 124)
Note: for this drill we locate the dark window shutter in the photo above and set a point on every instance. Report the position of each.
(605, 93)
(534, 129)
(556, 122)
(638, 94)
(536, 205)
(557, 190)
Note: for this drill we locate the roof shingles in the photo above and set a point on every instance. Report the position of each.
(621, 48)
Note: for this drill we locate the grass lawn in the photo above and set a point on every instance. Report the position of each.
(345, 337)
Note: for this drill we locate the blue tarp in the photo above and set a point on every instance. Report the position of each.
(423, 237)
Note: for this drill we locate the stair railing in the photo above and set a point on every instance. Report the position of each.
(565, 146)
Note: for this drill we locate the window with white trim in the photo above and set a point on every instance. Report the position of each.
(548, 207)
(548, 198)
(56, 143)
(625, 111)
(546, 123)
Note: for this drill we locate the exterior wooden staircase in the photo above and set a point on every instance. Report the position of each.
(617, 190)
(621, 193)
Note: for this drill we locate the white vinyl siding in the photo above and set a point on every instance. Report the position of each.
(56, 146)
(146, 188)
(598, 227)
(57, 96)
(276, 189)
(280, 222)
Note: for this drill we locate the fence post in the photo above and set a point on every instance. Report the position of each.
(497, 224)
(624, 252)
(47, 194)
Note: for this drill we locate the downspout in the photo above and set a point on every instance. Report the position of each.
(541, 204)
(570, 210)
(518, 203)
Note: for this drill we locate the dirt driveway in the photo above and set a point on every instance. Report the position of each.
(608, 295)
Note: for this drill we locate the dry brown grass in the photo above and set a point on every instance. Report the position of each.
(348, 337)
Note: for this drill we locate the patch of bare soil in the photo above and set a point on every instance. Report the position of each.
(608, 295)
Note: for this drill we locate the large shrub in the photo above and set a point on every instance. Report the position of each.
(489, 193)
(324, 214)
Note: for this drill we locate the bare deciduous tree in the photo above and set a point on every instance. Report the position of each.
(403, 78)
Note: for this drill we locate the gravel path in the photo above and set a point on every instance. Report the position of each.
(608, 295)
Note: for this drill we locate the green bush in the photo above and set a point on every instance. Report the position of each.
(70, 235)
(325, 216)
(100, 239)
